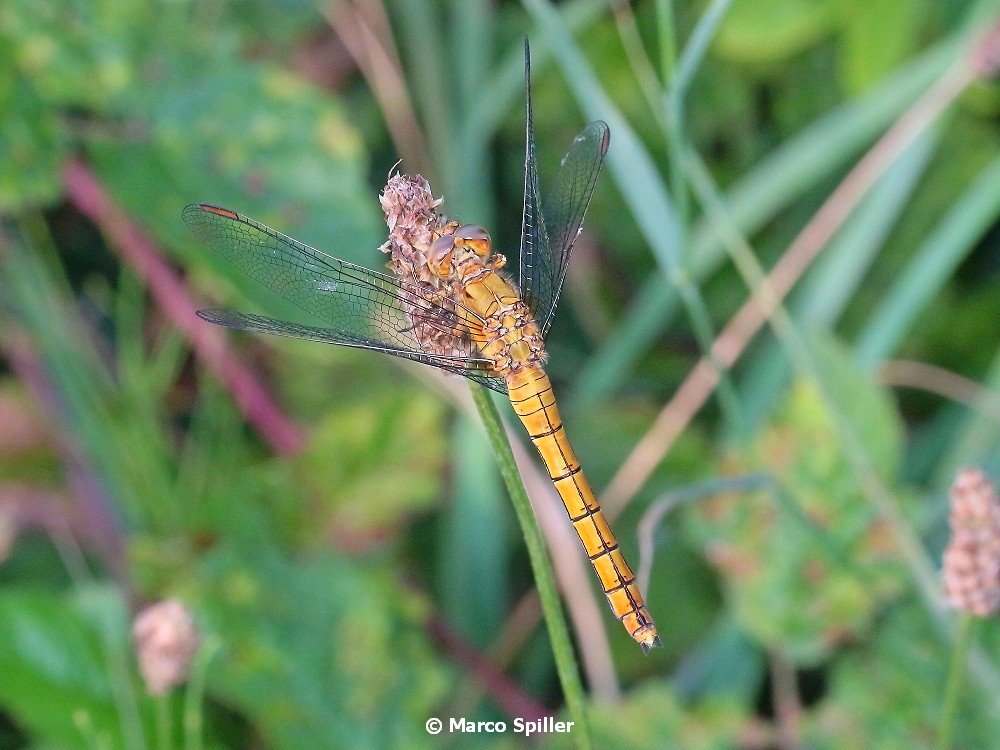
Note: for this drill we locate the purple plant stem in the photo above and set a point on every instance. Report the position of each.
(94, 518)
(507, 694)
(136, 249)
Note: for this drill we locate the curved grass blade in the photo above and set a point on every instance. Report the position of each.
(779, 179)
(932, 265)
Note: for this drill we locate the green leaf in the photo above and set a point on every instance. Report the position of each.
(653, 717)
(807, 566)
(788, 26)
(320, 653)
(475, 546)
(57, 657)
(868, 408)
(878, 35)
(932, 263)
(32, 141)
(889, 693)
(74, 54)
(372, 462)
(254, 138)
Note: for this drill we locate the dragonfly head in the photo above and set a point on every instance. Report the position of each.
(475, 238)
(458, 242)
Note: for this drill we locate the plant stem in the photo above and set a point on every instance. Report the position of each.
(569, 674)
(672, 106)
(164, 730)
(194, 696)
(956, 673)
(667, 37)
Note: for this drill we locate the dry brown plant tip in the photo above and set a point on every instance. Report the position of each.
(971, 564)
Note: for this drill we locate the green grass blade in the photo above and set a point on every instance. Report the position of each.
(697, 45)
(828, 287)
(541, 566)
(777, 181)
(473, 578)
(933, 263)
(666, 34)
(468, 183)
(639, 182)
(420, 28)
(505, 90)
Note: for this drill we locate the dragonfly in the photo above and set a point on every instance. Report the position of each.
(471, 320)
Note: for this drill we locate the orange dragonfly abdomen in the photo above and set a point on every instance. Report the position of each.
(532, 398)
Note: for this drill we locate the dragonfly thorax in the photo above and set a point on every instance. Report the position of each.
(491, 307)
(508, 332)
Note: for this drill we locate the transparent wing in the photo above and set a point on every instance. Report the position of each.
(565, 207)
(549, 230)
(365, 309)
(475, 369)
(535, 259)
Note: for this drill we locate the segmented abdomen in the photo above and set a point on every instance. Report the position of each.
(531, 395)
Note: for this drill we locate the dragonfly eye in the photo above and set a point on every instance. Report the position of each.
(439, 255)
(476, 239)
(472, 232)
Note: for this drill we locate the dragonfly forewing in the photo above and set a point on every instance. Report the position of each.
(364, 308)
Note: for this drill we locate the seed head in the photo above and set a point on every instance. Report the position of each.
(972, 560)
(985, 57)
(166, 641)
(411, 214)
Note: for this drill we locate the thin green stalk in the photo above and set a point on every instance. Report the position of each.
(667, 33)
(194, 696)
(956, 675)
(569, 674)
(696, 46)
(164, 729)
(675, 149)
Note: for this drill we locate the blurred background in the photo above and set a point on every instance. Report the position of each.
(333, 521)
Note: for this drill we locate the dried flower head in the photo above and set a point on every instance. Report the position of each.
(411, 214)
(985, 59)
(166, 641)
(972, 560)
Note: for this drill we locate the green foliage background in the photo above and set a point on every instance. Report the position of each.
(320, 578)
